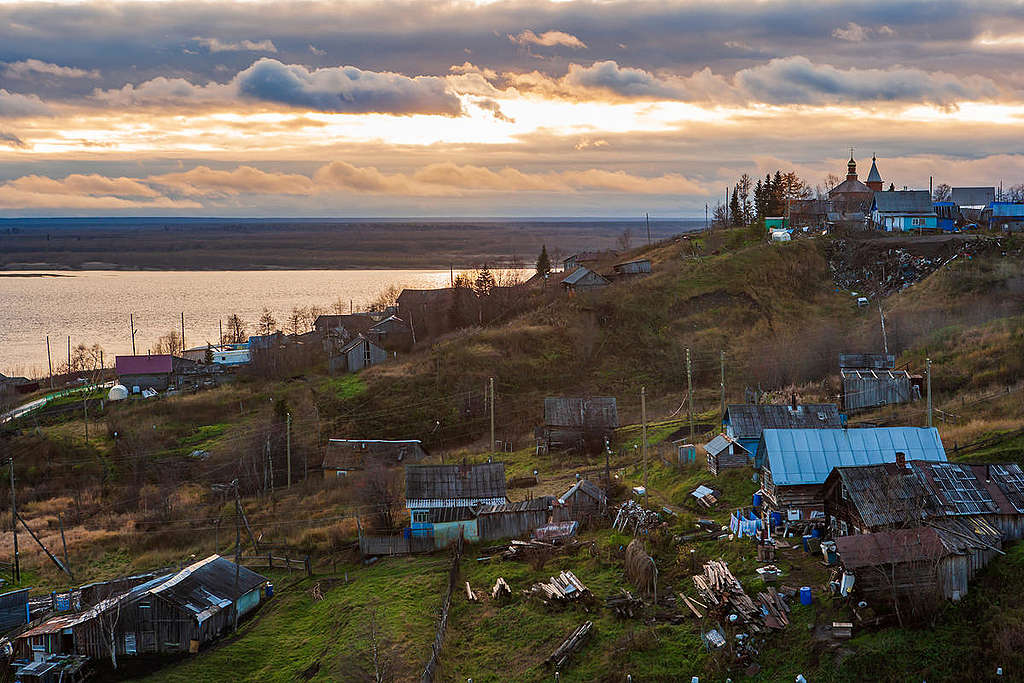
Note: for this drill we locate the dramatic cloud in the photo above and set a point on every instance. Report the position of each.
(216, 45)
(32, 67)
(344, 89)
(204, 181)
(89, 192)
(547, 39)
(11, 140)
(13, 105)
(796, 80)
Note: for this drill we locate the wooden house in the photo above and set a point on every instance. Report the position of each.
(745, 422)
(171, 614)
(344, 456)
(903, 211)
(429, 487)
(725, 452)
(584, 280)
(584, 500)
(640, 266)
(391, 333)
(355, 355)
(577, 423)
(916, 567)
(870, 498)
(794, 463)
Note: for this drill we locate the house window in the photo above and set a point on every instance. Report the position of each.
(129, 644)
(917, 221)
(421, 516)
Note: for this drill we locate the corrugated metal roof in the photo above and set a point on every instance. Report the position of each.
(748, 420)
(207, 586)
(597, 412)
(720, 443)
(1007, 210)
(807, 456)
(584, 486)
(581, 273)
(1009, 479)
(887, 495)
(455, 482)
(144, 365)
(904, 202)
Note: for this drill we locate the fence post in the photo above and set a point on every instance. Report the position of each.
(309, 568)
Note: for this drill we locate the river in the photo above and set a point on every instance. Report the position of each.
(93, 306)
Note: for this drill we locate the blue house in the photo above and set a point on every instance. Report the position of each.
(442, 494)
(946, 214)
(1006, 216)
(795, 463)
(903, 211)
(745, 422)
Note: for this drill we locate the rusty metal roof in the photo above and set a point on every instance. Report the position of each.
(748, 420)
(890, 547)
(887, 494)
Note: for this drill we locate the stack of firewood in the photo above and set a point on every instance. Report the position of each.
(575, 640)
(625, 604)
(563, 587)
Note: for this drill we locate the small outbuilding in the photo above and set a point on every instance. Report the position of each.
(635, 267)
(584, 499)
(725, 452)
(580, 423)
(745, 422)
(584, 280)
(356, 355)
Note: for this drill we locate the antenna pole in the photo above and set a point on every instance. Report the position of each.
(689, 390)
(643, 419)
(647, 216)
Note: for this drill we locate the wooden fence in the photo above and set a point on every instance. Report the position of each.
(268, 561)
(442, 624)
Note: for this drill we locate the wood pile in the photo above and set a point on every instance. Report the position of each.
(694, 606)
(574, 642)
(773, 610)
(632, 516)
(501, 589)
(524, 550)
(720, 588)
(625, 604)
(562, 588)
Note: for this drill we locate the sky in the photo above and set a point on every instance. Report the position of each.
(506, 108)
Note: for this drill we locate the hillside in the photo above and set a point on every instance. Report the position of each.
(140, 499)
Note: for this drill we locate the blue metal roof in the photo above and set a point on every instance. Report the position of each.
(1007, 209)
(807, 456)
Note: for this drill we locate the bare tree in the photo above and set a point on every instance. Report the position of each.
(309, 316)
(267, 323)
(108, 617)
(380, 491)
(831, 182)
(169, 343)
(295, 321)
(942, 193)
(235, 332)
(625, 239)
(387, 298)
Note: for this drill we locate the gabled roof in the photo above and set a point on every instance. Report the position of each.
(851, 186)
(807, 456)
(748, 420)
(455, 482)
(597, 412)
(887, 494)
(918, 202)
(581, 273)
(144, 365)
(720, 443)
(973, 196)
(354, 342)
(207, 586)
(586, 487)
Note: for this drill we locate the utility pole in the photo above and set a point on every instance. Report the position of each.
(49, 362)
(885, 341)
(722, 355)
(63, 540)
(183, 331)
(288, 445)
(131, 323)
(492, 414)
(16, 573)
(647, 216)
(689, 391)
(928, 366)
(238, 545)
(643, 419)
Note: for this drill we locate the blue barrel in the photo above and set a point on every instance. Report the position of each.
(757, 500)
(776, 518)
(816, 532)
(270, 590)
(806, 548)
(805, 595)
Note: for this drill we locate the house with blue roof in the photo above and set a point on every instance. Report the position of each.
(1005, 216)
(794, 463)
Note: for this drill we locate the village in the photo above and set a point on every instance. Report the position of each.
(830, 503)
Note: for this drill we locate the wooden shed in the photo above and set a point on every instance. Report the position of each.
(581, 423)
(635, 267)
(725, 452)
(584, 500)
(584, 280)
(357, 354)
(870, 388)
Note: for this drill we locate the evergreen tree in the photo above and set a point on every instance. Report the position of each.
(208, 358)
(484, 281)
(778, 201)
(735, 210)
(543, 262)
(759, 202)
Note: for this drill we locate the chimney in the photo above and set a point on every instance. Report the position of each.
(901, 459)
(793, 399)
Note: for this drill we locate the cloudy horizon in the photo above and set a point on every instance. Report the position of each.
(499, 108)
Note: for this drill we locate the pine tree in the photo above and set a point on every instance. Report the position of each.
(484, 281)
(735, 210)
(543, 262)
(759, 203)
(208, 357)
